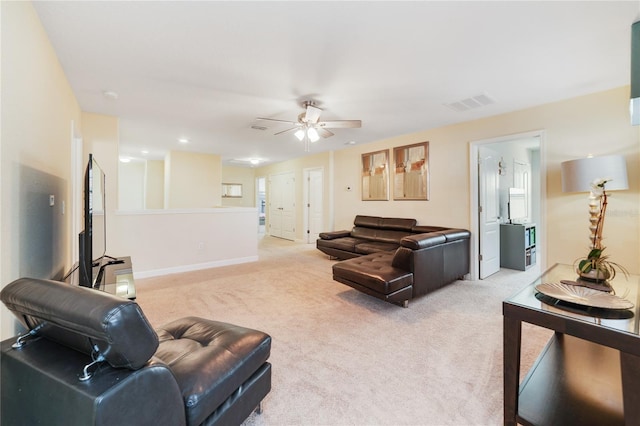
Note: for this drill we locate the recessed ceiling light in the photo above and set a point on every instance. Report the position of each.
(350, 143)
(110, 95)
(255, 161)
(183, 140)
(125, 159)
(144, 152)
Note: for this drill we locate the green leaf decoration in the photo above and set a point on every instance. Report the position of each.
(595, 253)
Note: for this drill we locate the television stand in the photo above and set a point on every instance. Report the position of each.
(112, 274)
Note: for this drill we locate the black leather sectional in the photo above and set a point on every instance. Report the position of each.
(91, 358)
(394, 259)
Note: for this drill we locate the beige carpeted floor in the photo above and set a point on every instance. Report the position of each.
(343, 358)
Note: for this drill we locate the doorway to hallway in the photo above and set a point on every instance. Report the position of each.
(520, 163)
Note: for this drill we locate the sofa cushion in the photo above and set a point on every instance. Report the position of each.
(397, 224)
(375, 247)
(334, 234)
(84, 319)
(345, 243)
(367, 221)
(373, 271)
(210, 360)
(364, 233)
(391, 236)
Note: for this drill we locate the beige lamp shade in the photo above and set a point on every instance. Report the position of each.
(577, 175)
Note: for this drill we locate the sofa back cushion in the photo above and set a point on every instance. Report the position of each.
(397, 224)
(87, 320)
(367, 221)
(364, 233)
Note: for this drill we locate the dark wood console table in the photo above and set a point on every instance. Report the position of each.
(116, 278)
(589, 372)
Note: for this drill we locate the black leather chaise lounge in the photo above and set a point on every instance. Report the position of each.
(91, 358)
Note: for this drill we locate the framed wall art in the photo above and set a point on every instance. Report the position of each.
(231, 190)
(375, 175)
(411, 172)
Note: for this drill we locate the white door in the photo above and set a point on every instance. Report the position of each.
(282, 206)
(489, 211)
(314, 204)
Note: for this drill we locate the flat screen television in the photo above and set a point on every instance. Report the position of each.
(92, 240)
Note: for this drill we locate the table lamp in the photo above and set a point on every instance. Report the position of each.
(596, 175)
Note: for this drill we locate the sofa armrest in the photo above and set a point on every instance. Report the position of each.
(420, 241)
(454, 234)
(334, 234)
(430, 239)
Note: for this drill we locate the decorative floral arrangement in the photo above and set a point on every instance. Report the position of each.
(596, 266)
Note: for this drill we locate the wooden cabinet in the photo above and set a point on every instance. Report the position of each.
(517, 246)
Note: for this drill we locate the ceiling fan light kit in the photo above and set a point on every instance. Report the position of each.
(312, 134)
(309, 128)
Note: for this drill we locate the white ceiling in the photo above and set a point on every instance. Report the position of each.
(205, 70)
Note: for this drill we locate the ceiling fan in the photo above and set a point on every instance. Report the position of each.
(309, 128)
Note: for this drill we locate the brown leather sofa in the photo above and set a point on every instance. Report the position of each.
(370, 234)
(396, 260)
(91, 358)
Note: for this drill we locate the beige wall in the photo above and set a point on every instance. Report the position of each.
(192, 180)
(154, 184)
(131, 190)
(100, 136)
(38, 108)
(597, 124)
(244, 176)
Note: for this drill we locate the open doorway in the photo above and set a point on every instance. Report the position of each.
(519, 161)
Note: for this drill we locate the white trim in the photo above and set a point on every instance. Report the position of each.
(474, 272)
(331, 183)
(215, 210)
(194, 267)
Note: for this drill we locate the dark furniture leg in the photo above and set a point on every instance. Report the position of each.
(630, 366)
(512, 334)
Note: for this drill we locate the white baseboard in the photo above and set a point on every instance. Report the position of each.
(194, 267)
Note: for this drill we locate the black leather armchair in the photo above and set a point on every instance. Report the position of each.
(91, 358)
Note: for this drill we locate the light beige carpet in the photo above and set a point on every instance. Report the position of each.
(344, 358)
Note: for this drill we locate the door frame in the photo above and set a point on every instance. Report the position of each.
(306, 192)
(474, 271)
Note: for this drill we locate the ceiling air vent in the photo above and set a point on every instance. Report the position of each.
(254, 127)
(471, 103)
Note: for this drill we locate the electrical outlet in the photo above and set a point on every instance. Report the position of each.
(52, 200)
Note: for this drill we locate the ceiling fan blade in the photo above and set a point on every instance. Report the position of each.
(339, 124)
(324, 133)
(279, 121)
(285, 131)
(313, 114)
